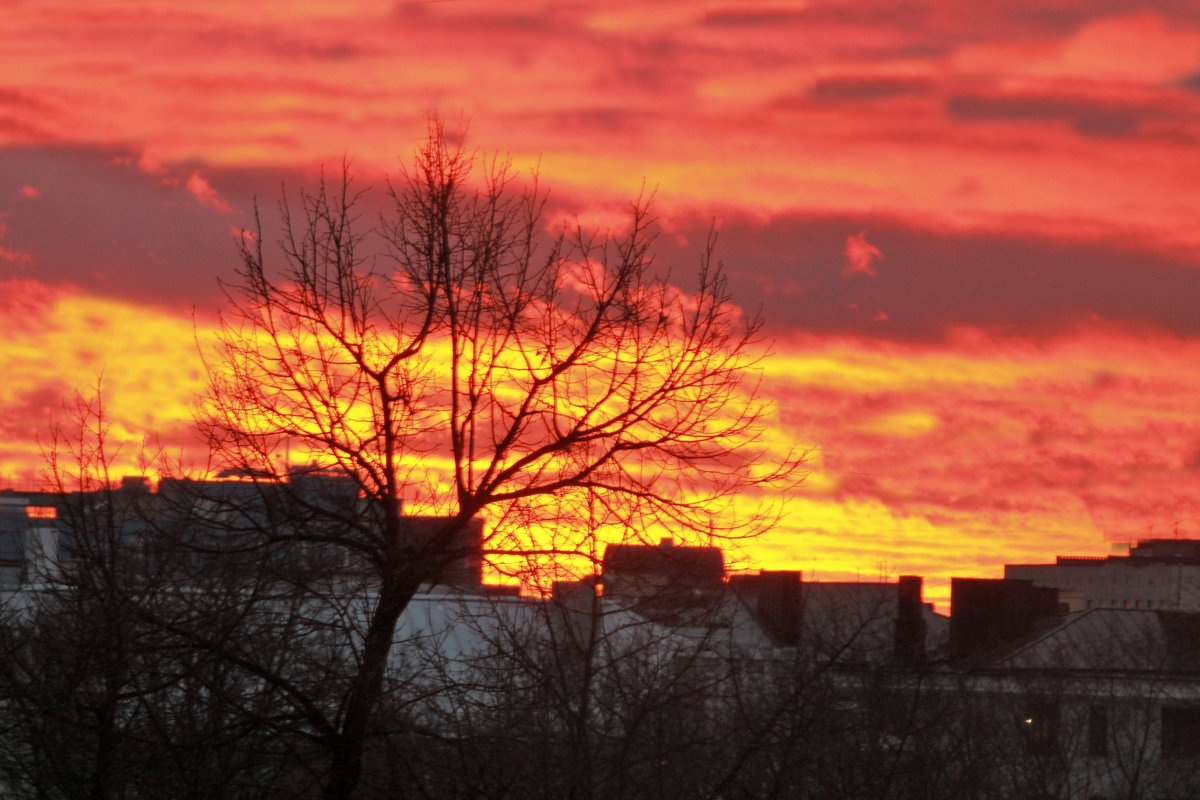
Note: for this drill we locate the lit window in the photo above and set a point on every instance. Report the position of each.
(1040, 726)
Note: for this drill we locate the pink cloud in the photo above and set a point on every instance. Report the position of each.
(30, 191)
(150, 164)
(15, 256)
(861, 255)
(203, 191)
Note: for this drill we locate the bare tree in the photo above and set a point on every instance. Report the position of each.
(473, 363)
(575, 696)
(103, 693)
(67, 646)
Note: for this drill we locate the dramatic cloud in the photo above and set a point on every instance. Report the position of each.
(103, 223)
(873, 87)
(1011, 381)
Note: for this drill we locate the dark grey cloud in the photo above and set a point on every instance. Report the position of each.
(30, 413)
(977, 21)
(1061, 17)
(503, 18)
(17, 127)
(846, 87)
(931, 281)
(609, 120)
(1087, 117)
(263, 36)
(99, 222)
(24, 101)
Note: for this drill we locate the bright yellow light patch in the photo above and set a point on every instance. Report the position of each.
(1035, 443)
(144, 360)
(902, 423)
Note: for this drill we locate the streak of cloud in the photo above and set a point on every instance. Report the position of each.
(204, 193)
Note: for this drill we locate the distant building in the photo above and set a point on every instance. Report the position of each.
(28, 540)
(1100, 703)
(851, 623)
(464, 565)
(187, 524)
(662, 581)
(1157, 574)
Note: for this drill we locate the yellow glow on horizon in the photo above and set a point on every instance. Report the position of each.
(924, 459)
(144, 359)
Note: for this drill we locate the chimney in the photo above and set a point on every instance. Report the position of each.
(781, 605)
(986, 613)
(909, 642)
(576, 605)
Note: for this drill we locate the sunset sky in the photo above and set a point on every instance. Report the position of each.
(973, 229)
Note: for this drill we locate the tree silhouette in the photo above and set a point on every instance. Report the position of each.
(103, 689)
(472, 363)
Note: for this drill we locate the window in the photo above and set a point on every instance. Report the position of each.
(1040, 725)
(1098, 731)
(1181, 732)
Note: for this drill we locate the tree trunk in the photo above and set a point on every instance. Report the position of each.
(345, 769)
